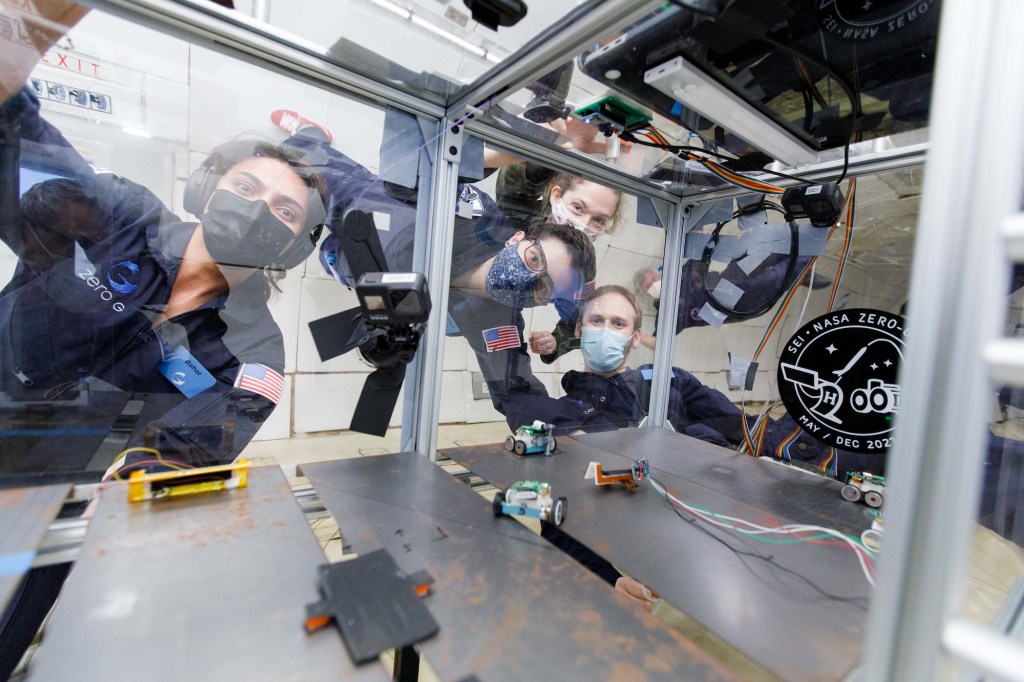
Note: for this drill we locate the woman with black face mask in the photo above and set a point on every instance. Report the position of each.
(170, 312)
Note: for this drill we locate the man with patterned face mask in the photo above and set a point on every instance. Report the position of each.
(490, 290)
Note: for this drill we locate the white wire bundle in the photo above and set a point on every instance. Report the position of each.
(864, 555)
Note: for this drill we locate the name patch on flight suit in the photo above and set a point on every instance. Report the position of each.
(185, 372)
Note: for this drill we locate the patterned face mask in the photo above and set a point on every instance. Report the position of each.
(510, 282)
(561, 215)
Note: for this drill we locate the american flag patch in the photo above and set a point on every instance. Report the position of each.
(500, 338)
(260, 379)
(585, 293)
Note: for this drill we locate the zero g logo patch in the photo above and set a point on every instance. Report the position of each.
(119, 276)
(861, 20)
(837, 378)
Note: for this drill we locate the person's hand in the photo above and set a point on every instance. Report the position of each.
(582, 136)
(543, 343)
(42, 25)
(636, 591)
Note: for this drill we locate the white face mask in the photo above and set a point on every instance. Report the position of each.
(655, 290)
(561, 215)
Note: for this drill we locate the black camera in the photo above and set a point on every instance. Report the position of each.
(821, 203)
(393, 299)
(395, 307)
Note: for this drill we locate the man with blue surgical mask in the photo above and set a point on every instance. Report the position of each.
(609, 394)
(608, 330)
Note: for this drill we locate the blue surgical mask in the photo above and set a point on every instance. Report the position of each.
(603, 349)
(509, 281)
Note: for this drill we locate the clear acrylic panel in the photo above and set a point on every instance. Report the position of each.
(799, 366)
(742, 84)
(755, 306)
(994, 590)
(513, 357)
(429, 47)
(172, 220)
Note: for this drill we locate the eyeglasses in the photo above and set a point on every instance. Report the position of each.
(538, 264)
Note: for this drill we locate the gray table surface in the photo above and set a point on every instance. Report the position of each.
(203, 587)
(793, 494)
(25, 513)
(797, 609)
(510, 605)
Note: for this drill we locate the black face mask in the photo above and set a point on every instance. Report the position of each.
(242, 232)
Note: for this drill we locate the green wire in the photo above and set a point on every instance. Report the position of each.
(771, 541)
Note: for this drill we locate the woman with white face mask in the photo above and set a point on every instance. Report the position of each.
(526, 192)
(583, 204)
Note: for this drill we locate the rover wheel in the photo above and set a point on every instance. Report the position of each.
(499, 497)
(510, 443)
(558, 511)
(520, 447)
(554, 446)
(851, 493)
(873, 498)
(872, 539)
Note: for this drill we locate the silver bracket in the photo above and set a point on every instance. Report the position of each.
(453, 142)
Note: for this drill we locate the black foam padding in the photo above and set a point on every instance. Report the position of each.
(377, 401)
(360, 243)
(339, 333)
(374, 605)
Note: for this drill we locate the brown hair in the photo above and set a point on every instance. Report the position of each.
(566, 182)
(581, 251)
(638, 316)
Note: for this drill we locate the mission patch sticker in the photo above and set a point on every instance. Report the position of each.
(837, 377)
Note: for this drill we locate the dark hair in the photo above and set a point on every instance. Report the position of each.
(566, 182)
(225, 156)
(638, 316)
(59, 210)
(228, 154)
(581, 251)
(44, 203)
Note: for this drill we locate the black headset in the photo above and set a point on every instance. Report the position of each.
(203, 181)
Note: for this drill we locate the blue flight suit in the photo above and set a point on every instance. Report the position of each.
(91, 317)
(510, 379)
(594, 403)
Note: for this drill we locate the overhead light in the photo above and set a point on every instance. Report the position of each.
(140, 132)
(696, 90)
(430, 26)
(446, 35)
(393, 8)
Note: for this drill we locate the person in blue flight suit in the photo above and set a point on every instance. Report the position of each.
(135, 298)
(490, 288)
(498, 269)
(609, 394)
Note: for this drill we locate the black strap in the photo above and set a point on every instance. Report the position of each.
(377, 401)
(360, 243)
